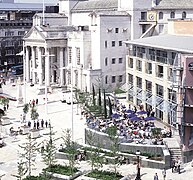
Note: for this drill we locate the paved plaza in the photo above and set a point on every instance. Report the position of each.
(59, 115)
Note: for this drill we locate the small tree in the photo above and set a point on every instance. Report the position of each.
(114, 146)
(30, 148)
(4, 101)
(94, 158)
(105, 105)
(71, 149)
(49, 150)
(93, 95)
(34, 113)
(21, 169)
(25, 110)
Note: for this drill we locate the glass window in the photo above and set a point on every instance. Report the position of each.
(139, 65)
(120, 43)
(113, 79)
(120, 78)
(120, 60)
(148, 85)
(161, 28)
(159, 90)
(139, 82)
(116, 30)
(172, 15)
(78, 55)
(113, 43)
(130, 63)
(69, 54)
(183, 15)
(149, 68)
(106, 61)
(161, 15)
(106, 79)
(130, 78)
(105, 44)
(113, 60)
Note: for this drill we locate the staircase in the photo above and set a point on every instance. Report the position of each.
(174, 148)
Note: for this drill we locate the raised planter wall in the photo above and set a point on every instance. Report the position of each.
(103, 140)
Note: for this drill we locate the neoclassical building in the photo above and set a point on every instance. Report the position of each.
(91, 34)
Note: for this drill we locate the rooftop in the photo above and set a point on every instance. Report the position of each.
(21, 6)
(168, 42)
(174, 4)
(96, 5)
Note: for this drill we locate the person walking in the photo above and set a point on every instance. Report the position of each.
(156, 177)
(46, 123)
(164, 174)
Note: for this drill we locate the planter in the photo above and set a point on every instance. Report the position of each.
(35, 133)
(5, 121)
(61, 176)
(25, 129)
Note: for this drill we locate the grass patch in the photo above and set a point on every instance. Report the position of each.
(104, 175)
(59, 169)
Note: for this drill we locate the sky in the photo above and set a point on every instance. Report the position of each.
(36, 1)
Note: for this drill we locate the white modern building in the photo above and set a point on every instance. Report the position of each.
(93, 47)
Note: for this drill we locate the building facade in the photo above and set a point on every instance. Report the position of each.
(159, 76)
(95, 48)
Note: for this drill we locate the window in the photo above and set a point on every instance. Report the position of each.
(161, 15)
(113, 60)
(139, 65)
(139, 82)
(105, 44)
(21, 33)
(78, 56)
(161, 28)
(160, 71)
(9, 33)
(149, 68)
(106, 61)
(70, 54)
(120, 43)
(130, 78)
(130, 63)
(143, 16)
(113, 79)
(106, 79)
(159, 90)
(116, 30)
(113, 43)
(120, 78)
(183, 15)
(172, 15)
(120, 60)
(148, 85)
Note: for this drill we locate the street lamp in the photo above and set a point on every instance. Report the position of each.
(138, 177)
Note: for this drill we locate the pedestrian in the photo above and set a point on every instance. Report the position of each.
(37, 101)
(42, 123)
(164, 173)
(33, 103)
(46, 123)
(34, 125)
(7, 105)
(173, 165)
(29, 123)
(156, 177)
(38, 124)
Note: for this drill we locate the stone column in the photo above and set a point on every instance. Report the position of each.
(27, 64)
(47, 67)
(61, 66)
(33, 65)
(40, 66)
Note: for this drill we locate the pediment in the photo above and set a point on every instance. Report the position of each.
(35, 34)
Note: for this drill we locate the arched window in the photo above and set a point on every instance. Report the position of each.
(172, 15)
(183, 15)
(161, 15)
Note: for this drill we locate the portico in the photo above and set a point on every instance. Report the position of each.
(44, 57)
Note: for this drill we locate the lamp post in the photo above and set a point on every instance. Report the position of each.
(138, 177)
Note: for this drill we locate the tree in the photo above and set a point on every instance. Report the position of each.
(21, 169)
(114, 146)
(71, 149)
(25, 110)
(93, 95)
(94, 158)
(30, 148)
(4, 102)
(105, 105)
(34, 113)
(48, 151)
(110, 107)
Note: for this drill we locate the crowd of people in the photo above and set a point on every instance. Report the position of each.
(131, 124)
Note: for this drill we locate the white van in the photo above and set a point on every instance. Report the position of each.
(69, 96)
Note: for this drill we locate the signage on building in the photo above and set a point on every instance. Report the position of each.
(151, 16)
